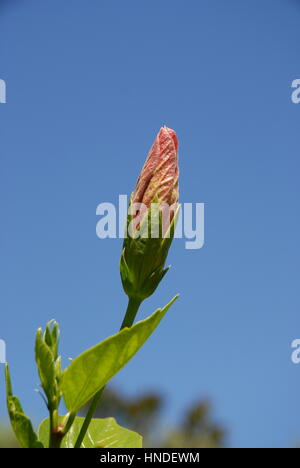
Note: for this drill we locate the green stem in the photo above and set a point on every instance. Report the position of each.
(55, 437)
(132, 310)
(51, 421)
(67, 423)
(88, 418)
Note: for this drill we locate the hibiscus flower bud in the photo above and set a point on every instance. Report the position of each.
(159, 176)
(151, 219)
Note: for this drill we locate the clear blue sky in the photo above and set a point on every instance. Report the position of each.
(88, 86)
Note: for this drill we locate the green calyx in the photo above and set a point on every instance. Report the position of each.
(143, 258)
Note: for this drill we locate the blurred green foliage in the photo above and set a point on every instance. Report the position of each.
(7, 438)
(144, 414)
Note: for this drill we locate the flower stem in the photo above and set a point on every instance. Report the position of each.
(132, 310)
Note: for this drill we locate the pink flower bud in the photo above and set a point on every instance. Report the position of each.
(153, 211)
(159, 176)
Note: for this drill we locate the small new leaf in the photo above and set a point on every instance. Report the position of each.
(21, 424)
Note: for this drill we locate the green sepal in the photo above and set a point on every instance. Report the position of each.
(142, 264)
(51, 337)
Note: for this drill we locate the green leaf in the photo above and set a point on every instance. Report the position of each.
(21, 424)
(90, 371)
(102, 433)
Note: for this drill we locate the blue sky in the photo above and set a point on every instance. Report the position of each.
(88, 86)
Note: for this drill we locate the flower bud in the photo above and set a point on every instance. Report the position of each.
(49, 363)
(152, 218)
(159, 176)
